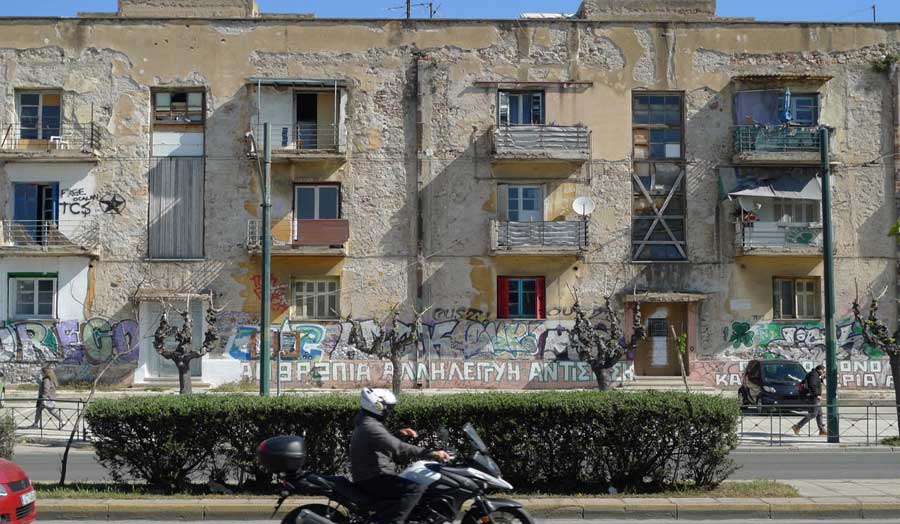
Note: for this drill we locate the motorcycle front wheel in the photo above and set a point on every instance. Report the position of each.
(502, 516)
(330, 513)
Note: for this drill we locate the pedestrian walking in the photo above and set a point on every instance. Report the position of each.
(812, 385)
(47, 397)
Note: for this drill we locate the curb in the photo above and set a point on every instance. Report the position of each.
(549, 509)
(825, 448)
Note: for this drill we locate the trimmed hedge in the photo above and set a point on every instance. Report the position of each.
(7, 436)
(553, 442)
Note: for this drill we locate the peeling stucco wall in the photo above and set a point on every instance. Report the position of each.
(107, 67)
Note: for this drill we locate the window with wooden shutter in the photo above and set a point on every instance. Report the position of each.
(176, 208)
(521, 297)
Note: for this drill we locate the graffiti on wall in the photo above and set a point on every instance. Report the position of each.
(804, 340)
(280, 302)
(91, 342)
(452, 339)
(851, 373)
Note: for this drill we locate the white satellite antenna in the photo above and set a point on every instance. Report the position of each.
(583, 206)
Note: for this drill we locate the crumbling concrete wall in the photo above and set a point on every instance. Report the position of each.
(188, 8)
(672, 9)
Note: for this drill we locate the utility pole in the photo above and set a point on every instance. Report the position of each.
(265, 361)
(874, 14)
(830, 338)
(408, 9)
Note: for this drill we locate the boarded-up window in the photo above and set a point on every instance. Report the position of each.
(176, 208)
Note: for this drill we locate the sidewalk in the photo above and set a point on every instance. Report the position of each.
(868, 499)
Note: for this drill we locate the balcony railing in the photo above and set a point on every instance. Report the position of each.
(547, 139)
(50, 235)
(551, 235)
(300, 137)
(779, 236)
(50, 137)
(776, 139)
(326, 233)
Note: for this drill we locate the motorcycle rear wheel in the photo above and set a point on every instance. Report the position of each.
(329, 512)
(503, 516)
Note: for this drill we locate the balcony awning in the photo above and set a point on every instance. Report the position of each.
(296, 82)
(735, 183)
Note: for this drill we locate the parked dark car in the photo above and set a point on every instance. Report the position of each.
(773, 384)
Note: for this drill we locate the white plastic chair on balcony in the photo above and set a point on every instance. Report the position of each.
(59, 142)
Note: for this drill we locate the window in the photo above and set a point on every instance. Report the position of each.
(657, 126)
(796, 211)
(35, 202)
(804, 108)
(316, 299)
(317, 202)
(39, 115)
(32, 296)
(520, 297)
(520, 108)
(796, 298)
(658, 178)
(523, 203)
(178, 107)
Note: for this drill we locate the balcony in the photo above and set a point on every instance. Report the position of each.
(548, 150)
(777, 145)
(778, 238)
(65, 142)
(49, 238)
(301, 237)
(538, 238)
(304, 143)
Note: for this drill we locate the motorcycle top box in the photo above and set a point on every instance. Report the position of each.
(282, 454)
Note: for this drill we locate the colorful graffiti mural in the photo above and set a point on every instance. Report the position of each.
(799, 340)
(91, 342)
(851, 373)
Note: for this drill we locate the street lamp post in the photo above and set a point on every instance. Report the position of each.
(830, 339)
(265, 361)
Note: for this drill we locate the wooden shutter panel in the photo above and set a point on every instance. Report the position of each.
(540, 300)
(175, 228)
(503, 202)
(502, 297)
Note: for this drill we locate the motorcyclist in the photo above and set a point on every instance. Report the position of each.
(373, 450)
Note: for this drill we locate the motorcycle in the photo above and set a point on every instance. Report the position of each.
(449, 487)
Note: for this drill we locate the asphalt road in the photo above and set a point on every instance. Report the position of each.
(43, 465)
(539, 521)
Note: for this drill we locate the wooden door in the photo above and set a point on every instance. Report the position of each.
(657, 353)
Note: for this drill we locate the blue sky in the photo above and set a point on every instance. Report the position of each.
(830, 10)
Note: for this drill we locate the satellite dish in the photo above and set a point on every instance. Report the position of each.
(583, 206)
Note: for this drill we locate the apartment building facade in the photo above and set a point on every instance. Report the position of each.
(483, 170)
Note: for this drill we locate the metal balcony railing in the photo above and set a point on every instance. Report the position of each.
(785, 236)
(50, 136)
(299, 137)
(47, 234)
(297, 233)
(776, 139)
(511, 139)
(558, 234)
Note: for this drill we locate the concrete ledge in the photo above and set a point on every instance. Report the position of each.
(545, 508)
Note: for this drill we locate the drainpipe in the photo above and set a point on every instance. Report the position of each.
(423, 169)
(830, 338)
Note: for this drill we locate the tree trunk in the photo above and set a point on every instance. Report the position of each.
(600, 373)
(397, 377)
(895, 372)
(184, 377)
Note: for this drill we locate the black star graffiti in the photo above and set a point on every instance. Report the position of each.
(112, 203)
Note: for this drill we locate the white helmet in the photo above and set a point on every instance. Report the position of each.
(377, 401)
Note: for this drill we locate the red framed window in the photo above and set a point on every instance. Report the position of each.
(521, 297)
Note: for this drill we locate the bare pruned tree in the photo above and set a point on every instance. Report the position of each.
(602, 349)
(389, 342)
(185, 350)
(876, 333)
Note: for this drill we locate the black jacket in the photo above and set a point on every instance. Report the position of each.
(373, 449)
(813, 384)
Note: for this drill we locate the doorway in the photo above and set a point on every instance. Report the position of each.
(657, 353)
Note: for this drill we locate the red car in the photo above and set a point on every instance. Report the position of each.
(16, 495)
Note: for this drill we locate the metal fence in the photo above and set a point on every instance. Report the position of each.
(302, 136)
(45, 234)
(558, 234)
(24, 411)
(537, 138)
(861, 424)
(50, 136)
(776, 139)
(779, 235)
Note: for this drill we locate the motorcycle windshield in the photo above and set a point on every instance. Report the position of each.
(474, 438)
